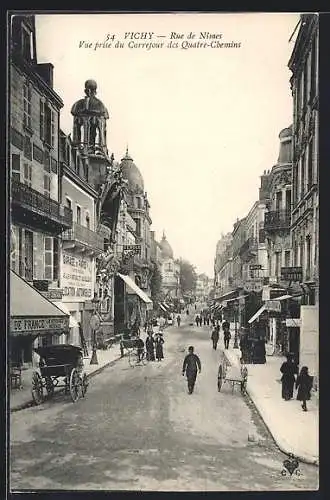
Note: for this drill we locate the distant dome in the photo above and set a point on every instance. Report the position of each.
(90, 105)
(131, 173)
(167, 252)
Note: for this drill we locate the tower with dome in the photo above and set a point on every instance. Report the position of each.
(170, 270)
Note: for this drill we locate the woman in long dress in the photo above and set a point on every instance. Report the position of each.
(288, 370)
(159, 347)
(150, 347)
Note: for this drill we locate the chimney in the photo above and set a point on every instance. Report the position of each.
(264, 186)
(45, 70)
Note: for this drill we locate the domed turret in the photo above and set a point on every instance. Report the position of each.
(132, 174)
(166, 249)
(285, 154)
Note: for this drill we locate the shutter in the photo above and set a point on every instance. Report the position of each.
(38, 254)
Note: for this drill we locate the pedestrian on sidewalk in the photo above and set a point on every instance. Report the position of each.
(159, 341)
(191, 365)
(178, 319)
(215, 337)
(304, 384)
(197, 320)
(226, 333)
(150, 347)
(288, 369)
(187, 312)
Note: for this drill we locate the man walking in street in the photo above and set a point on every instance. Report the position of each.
(178, 320)
(190, 366)
(215, 337)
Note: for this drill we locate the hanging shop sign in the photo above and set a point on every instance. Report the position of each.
(136, 249)
(253, 285)
(291, 273)
(76, 278)
(273, 305)
(255, 267)
(22, 325)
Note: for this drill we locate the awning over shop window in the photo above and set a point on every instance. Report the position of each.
(237, 298)
(226, 296)
(72, 321)
(133, 286)
(257, 314)
(162, 307)
(31, 312)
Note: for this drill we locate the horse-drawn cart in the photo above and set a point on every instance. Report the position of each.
(61, 361)
(232, 372)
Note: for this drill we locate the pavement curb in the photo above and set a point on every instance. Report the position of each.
(30, 403)
(282, 447)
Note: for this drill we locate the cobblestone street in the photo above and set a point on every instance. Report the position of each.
(138, 429)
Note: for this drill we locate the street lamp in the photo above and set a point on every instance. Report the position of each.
(95, 325)
(235, 317)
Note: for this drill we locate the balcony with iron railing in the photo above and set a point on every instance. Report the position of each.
(83, 238)
(34, 208)
(277, 220)
(248, 249)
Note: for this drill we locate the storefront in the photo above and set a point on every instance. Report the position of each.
(131, 303)
(77, 282)
(34, 320)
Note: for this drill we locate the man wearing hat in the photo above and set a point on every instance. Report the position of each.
(191, 364)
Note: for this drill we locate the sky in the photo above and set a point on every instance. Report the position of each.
(201, 123)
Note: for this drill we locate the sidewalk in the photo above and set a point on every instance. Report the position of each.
(293, 430)
(22, 398)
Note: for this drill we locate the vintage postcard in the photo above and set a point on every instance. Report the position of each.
(164, 246)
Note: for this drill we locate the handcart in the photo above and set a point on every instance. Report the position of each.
(233, 372)
(134, 348)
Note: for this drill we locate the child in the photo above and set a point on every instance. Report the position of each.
(304, 385)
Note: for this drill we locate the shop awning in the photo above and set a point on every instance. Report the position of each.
(257, 314)
(31, 312)
(137, 290)
(162, 307)
(226, 296)
(283, 297)
(72, 321)
(237, 298)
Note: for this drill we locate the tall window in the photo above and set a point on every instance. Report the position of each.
(55, 258)
(302, 253)
(42, 120)
(16, 167)
(287, 258)
(68, 203)
(78, 215)
(302, 176)
(308, 257)
(47, 185)
(87, 221)
(295, 254)
(278, 263)
(20, 253)
(278, 200)
(305, 98)
(313, 70)
(28, 174)
(26, 105)
(49, 126)
(48, 258)
(28, 255)
(288, 201)
(310, 165)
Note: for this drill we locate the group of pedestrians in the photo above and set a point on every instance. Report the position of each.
(216, 334)
(303, 382)
(154, 346)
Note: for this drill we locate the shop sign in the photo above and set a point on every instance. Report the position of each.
(21, 325)
(255, 267)
(77, 283)
(136, 249)
(53, 294)
(273, 305)
(253, 285)
(291, 273)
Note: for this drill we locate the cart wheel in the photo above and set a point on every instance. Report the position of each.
(220, 377)
(49, 387)
(75, 385)
(37, 388)
(84, 384)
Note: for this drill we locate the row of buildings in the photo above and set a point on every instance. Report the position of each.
(82, 256)
(266, 269)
